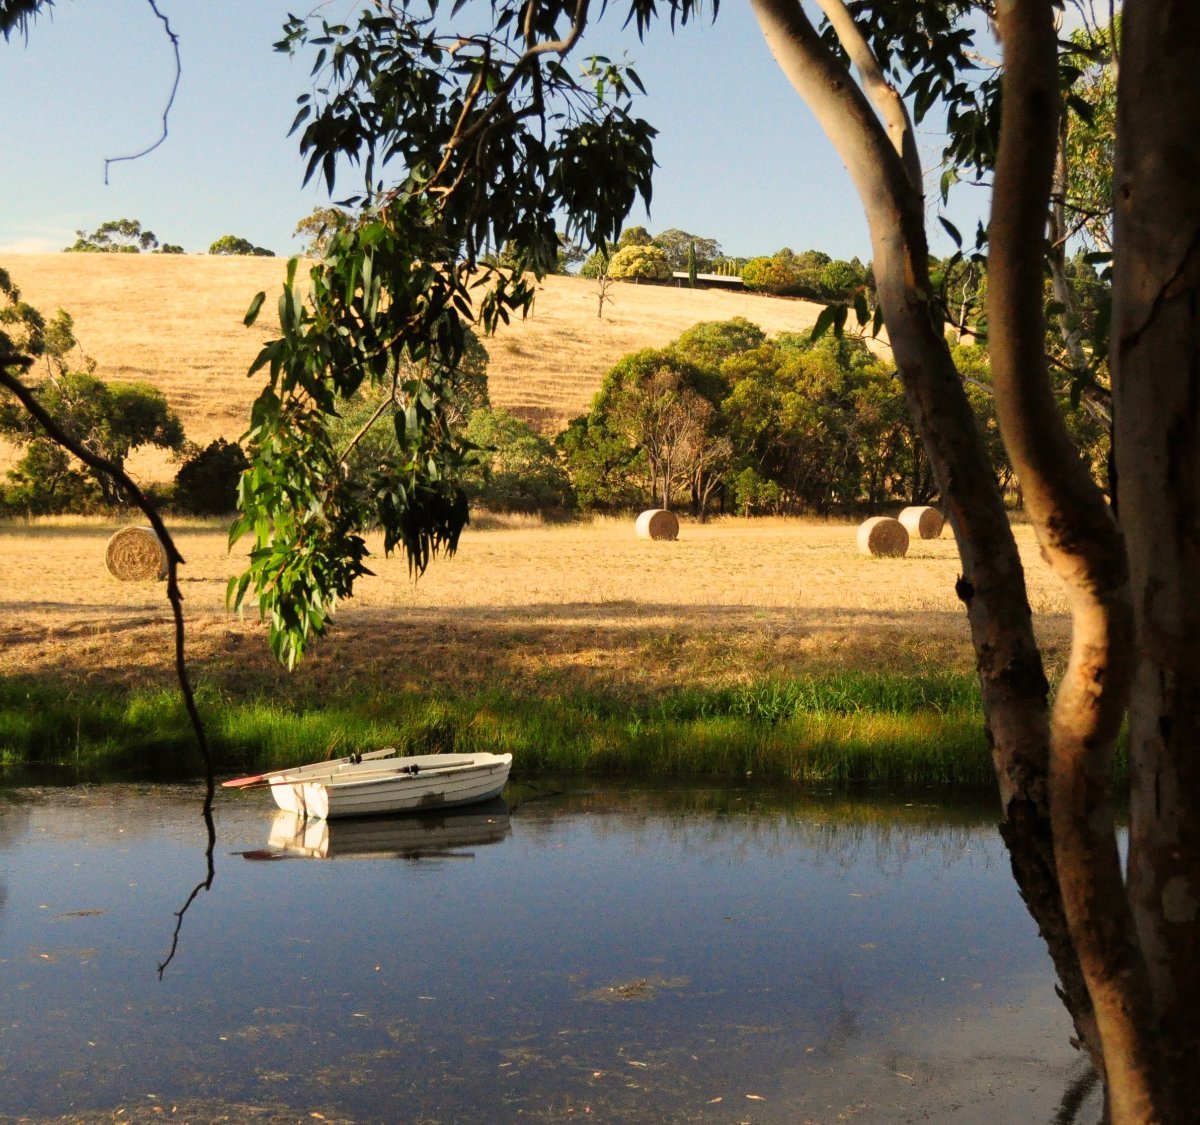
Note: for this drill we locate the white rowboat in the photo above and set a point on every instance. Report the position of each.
(380, 782)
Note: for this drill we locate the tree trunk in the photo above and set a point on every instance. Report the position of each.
(1079, 538)
(1064, 295)
(1012, 680)
(1156, 394)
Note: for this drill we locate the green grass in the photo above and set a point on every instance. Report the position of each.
(840, 728)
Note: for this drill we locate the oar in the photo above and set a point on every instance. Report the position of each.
(299, 771)
(244, 782)
(264, 781)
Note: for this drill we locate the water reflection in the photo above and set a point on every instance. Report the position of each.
(410, 837)
(643, 955)
(14, 820)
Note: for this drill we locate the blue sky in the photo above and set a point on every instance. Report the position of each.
(740, 158)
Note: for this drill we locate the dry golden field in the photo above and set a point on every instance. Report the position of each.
(534, 608)
(176, 321)
(523, 605)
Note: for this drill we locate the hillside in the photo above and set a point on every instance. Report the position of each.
(176, 321)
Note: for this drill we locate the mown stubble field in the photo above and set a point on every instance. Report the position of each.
(531, 608)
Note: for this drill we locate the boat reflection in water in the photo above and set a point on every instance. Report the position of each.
(394, 837)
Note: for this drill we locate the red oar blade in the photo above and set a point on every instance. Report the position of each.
(243, 782)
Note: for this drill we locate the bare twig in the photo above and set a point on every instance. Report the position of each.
(170, 101)
(345, 456)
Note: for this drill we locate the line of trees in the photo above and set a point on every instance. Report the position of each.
(727, 419)
(128, 236)
(723, 419)
(640, 256)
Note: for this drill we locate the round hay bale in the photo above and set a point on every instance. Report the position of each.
(134, 554)
(657, 523)
(922, 522)
(882, 536)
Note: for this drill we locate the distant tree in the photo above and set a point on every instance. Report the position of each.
(606, 472)
(638, 262)
(569, 254)
(319, 227)
(729, 267)
(675, 243)
(788, 274)
(839, 279)
(170, 248)
(824, 421)
(604, 284)
(232, 244)
(776, 275)
(691, 264)
(634, 236)
(754, 495)
(119, 236)
(595, 264)
(710, 343)
(108, 419)
(665, 408)
(47, 482)
(207, 482)
(599, 262)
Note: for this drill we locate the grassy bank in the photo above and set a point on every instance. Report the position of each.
(839, 727)
(769, 647)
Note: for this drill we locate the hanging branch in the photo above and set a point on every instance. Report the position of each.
(102, 465)
(170, 101)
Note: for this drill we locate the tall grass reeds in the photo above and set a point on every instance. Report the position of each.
(843, 727)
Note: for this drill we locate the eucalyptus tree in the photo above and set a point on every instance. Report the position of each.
(1126, 952)
(666, 409)
(235, 245)
(680, 246)
(116, 236)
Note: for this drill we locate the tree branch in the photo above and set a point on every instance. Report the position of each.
(885, 97)
(29, 400)
(529, 57)
(170, 101)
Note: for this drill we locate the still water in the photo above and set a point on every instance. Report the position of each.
(614, 954)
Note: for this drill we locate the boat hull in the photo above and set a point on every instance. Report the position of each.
(399, 785)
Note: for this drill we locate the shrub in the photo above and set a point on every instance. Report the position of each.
(756, 496)
(207, 482)
(519, 470)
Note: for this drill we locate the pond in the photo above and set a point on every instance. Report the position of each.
(602, 952)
